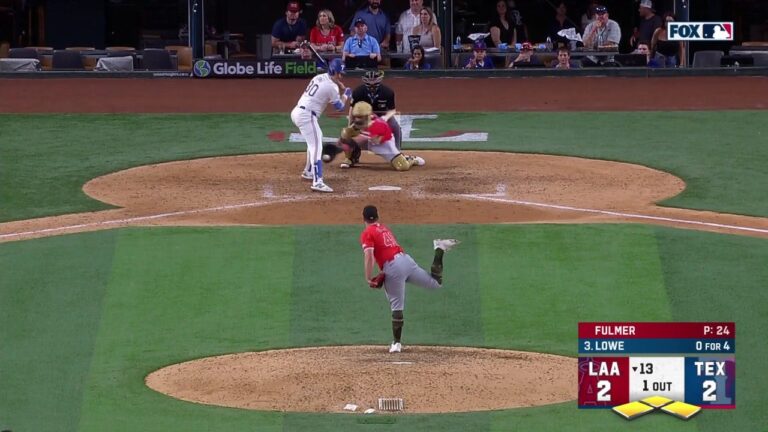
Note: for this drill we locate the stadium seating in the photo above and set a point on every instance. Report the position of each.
(157, 59)
(183, 55)
(67, 60)
(707, 58)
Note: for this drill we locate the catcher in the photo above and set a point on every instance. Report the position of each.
(372, 132)
(381, 98)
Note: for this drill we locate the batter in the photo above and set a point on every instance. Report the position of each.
(322, 90)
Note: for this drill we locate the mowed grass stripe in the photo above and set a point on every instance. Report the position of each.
(178, 294)
(717, 277)
(538, 282)
(333, 305)
(51, 293)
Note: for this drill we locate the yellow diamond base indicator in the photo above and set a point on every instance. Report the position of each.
(632, 410)
(657, 401)
(681, 410)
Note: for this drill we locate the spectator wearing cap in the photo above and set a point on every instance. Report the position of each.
(377, 22)
(603, 32)
(479, 60)
(526, 57)
(564, 59)
(649, 22)
(361, 50)
(290, 31)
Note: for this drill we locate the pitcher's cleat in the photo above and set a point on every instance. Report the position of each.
(395, 347)
(445, 244)
(321, 187)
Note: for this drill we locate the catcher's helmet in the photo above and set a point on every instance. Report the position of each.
(373, 77)
(336, 66)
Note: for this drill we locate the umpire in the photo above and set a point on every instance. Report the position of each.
(381, 98)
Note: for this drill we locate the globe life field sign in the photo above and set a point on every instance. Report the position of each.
(700, 31)
(253, 69)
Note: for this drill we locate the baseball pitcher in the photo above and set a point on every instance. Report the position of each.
(397, 267)
(322, 90)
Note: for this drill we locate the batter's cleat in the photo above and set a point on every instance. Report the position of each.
(416, 160)
(321, 187)
(306, 175)
(395, 347)
(445, 244)
(346, 163)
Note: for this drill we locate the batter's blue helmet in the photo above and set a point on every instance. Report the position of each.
(336, 66)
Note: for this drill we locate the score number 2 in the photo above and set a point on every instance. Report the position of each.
(604, 392)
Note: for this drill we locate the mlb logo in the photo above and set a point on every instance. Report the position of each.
(700, 31)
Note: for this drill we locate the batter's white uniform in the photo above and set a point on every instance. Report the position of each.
(321, 91)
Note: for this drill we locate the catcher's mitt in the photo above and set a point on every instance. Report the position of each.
(330, 151)
(377, 281)
(349, 132)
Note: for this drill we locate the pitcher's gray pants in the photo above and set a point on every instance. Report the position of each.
(400, 270)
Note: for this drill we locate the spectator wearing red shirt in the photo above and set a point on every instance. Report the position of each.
(326, 35)
(380, 247)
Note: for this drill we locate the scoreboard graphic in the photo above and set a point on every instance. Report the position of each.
(641, 367)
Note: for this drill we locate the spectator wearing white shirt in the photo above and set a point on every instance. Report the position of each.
(405, 24)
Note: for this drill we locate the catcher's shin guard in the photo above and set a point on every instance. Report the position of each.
(401, 163)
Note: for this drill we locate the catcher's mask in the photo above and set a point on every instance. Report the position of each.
(361, 114)
(372, 80)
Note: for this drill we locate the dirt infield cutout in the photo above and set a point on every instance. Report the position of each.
(453, 187)
(430, 379)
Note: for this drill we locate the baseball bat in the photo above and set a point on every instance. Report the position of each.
(324, 64)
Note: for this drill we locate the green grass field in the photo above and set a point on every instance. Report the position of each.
(83, 318)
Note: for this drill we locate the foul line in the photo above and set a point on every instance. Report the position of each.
(151, 217)
(613, 213)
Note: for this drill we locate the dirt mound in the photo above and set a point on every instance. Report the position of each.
(430, 379)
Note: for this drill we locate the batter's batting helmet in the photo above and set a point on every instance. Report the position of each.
(336, 66)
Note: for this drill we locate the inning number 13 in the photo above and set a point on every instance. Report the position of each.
(604, 394)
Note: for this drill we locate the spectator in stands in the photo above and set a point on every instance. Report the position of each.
(588, 16)
(668, 53)
(417, 60)
(649, 22)
(408, 20)
(516, 19)
(289, 32)
(603, 34)
(560, 22)
(643, 47)
(326, 35)
(427, 33)
(479, 59)
(377, 22)
(361, 50)
(564, 59)
(526, 57)
(502, 30)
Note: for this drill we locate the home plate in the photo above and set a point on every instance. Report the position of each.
(385, 188)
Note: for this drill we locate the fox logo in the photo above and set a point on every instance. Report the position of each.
(700, 31)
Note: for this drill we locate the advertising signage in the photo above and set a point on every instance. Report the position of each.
(253, 69)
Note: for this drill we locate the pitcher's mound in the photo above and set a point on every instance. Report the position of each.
(429, 379)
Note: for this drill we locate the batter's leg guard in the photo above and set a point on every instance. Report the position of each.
(397, 325)
(401, 163)
(437, 266)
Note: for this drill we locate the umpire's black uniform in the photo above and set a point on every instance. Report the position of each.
(382, 100)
